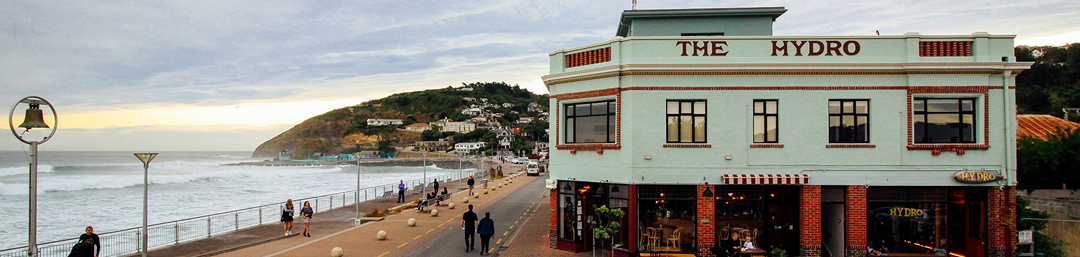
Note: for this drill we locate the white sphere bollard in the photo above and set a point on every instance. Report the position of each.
(381, 235)
(451, 205)
(485, 191)
(493, 188)
(434, 213)
(476, 195)
(412, 222)
(465, 200)
(337, 252)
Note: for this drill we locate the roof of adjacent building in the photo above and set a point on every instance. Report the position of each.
(418, 125)
(1039, 125)
(628, 16)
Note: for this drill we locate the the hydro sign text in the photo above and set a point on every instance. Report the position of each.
(779, 48)
(815, 48)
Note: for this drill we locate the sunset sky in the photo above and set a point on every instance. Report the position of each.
(228, 75)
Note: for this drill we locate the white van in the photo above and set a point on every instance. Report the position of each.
(533, 169)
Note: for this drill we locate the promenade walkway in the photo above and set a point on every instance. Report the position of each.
(402, 239)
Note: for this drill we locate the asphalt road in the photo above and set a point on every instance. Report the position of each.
(508, 214)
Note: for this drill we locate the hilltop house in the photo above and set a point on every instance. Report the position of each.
(507, 105)
(432, 146)
(472, 111)
(448, 125)
(418, 127)
(701, 123)
(535, 107)
(383, 122)
(469, 147)
(525, 120)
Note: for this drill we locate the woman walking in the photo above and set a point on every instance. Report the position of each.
(486, 229)
(287, 217)
(305, 214)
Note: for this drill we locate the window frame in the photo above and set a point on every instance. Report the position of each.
(765, 119)
(693, 116)
(570, 133)
(855, 114)
(959, 113)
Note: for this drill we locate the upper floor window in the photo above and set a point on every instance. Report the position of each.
(849, 121)
(592, 122)
(944, 120)
(765, 121)
(685, 121)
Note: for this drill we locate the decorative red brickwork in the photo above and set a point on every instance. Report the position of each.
(632, 217)
(810, 220)
(936, 149)
(944, 48)
(1001, 220)
(687, 146)
(767, 146)
(855, 232)
(850, 146)
(588, 57)
(706, 210)
(553, 228)
(599, 148)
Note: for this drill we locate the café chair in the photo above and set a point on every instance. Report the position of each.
(673, 240)
(654, 237)
(724, 234)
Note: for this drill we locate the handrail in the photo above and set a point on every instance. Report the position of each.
(123, 239)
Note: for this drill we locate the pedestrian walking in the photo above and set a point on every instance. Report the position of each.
(436, 186)
(401, 191)
(97, 241)
(287, 217)
(305, 214)
(486, 229)
(85, 248)
(471, 182)
(468, 223)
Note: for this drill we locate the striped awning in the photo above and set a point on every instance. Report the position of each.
(766, 179)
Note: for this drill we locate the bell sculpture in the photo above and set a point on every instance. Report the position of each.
(34, 118)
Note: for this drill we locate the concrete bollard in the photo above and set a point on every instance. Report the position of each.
(381, 235)
(337, 252)
(412, 222)
(493, 188)
(485, 191)
(465, 200)
(476, 195)
(434, 213)
(451, 205)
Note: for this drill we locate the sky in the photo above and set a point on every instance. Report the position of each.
(229, 75)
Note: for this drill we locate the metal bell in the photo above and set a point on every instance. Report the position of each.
(34, 118)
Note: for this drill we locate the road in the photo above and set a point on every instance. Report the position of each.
(508, 214)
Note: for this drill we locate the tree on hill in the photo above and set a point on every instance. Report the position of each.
(1051, 163)
(1052, 83)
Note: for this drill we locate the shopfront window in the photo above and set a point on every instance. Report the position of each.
(618, 198)
(766, 216)
(666, 218)
(907, 220)
(568, 211)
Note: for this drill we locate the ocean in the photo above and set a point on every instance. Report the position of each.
(104, 188)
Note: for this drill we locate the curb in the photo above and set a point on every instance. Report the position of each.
(222, 251)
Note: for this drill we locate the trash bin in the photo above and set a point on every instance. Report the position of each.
(485, 183)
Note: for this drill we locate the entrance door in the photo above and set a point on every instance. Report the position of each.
(976, 229)
(832, 229)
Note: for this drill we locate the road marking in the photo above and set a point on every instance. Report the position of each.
(429, 231)
(449, 220)
(523, 213)
(384, 254)
(442, 224)
(504, 233)
(499, 242)
(402, 245)
(492, 249)
(516, 221)
(417, 237)
(511, 227)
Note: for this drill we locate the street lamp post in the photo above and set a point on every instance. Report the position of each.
(423, 183)
(33, 119)
(357, 155)
(145, 158)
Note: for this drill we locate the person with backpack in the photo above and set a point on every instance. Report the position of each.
(287, 217)
(85, 248)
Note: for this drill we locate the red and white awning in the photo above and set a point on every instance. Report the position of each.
(766, 179)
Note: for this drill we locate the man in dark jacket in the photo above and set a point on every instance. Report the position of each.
(486, 229)
(97, 241)
(436, 186)
(471, 183)
(468, 223)
(84, 248)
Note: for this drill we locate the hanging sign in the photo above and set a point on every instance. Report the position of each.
(977, 176)
(551, 184)
(1024, 237)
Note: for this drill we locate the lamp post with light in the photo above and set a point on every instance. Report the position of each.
(357, 155)
(145, 158)
(33, 119)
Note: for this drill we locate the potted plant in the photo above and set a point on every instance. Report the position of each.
(778, 252)
(607, 224)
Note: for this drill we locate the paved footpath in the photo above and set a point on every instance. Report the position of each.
(403, 240)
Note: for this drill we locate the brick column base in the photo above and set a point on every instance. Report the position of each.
(706, 231)
(856, 251)
(996, 251)
(703, 250)
(553, 228)
(810, 250)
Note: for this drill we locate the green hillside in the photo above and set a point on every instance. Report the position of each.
(345, 130)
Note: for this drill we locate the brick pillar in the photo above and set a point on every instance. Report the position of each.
(632, 220)
(810, 220)
(706, 221)
(855, 234)
(553, 229)
(1001, 222)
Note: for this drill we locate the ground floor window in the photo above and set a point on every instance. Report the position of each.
(765, 216)
(909, 220)
(618, 198)
(568, 211)
(667, 218)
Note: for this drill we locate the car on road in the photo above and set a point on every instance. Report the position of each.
(533, 169)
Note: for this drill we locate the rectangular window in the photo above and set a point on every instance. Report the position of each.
(590, 122)
(944, 120)
(685, 121)
(765, 121)
(849, 121)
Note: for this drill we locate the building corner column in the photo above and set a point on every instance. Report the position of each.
(855, 232)
(1001, 222)
(553, 228)
(632, 219)
(706, 218)
(810, 220)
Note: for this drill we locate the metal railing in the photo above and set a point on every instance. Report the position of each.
(127, 241)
